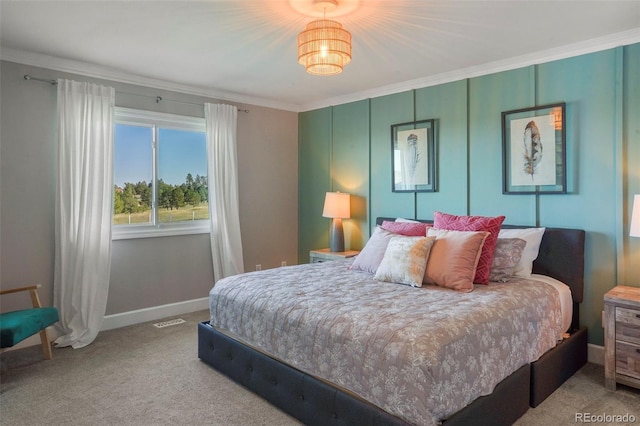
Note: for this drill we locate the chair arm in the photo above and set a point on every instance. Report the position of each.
(32, 289)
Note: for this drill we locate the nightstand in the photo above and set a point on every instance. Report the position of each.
(326, 255)
(622, 337)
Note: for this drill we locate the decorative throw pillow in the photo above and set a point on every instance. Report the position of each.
(371, 255)
(507, 255)
(533, 237)
(409, 229)
(402, 219)
(454, 257)
(474, 223)
(405, 260)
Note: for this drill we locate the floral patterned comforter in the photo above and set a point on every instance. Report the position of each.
(421, 354)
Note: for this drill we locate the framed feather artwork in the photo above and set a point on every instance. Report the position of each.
(534, 151)
(413, 156)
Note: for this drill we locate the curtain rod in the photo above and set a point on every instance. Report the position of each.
(157, 98)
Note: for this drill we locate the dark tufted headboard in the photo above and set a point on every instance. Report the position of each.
(561, 256)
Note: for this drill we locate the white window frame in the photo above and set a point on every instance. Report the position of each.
(135, 117)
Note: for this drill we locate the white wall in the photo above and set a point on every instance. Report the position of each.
(145, 272)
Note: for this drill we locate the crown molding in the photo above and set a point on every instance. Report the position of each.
(106, 73)
(101, 72)
(563, 52)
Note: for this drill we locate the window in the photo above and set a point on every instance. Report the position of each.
(160, 175)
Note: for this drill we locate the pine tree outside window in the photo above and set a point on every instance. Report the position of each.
(160, 175)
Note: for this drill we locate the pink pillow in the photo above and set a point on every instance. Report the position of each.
(453, 259)
(409, 229)
(474, 223)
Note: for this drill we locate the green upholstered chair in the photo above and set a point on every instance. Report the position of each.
(16, 326)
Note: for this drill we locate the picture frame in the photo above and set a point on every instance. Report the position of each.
(534, 150)
(413, 156)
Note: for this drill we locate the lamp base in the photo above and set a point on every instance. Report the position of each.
(336, 237)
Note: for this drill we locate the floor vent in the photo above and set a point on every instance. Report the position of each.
(169, 323)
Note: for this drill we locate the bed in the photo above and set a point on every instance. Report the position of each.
(322, 387)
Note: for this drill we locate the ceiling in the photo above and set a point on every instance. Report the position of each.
(245, 50)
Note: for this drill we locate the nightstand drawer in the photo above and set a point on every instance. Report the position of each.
(629, 316)
(628, 325)
(628, 359)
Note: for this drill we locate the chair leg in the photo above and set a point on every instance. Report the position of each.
(46, 345)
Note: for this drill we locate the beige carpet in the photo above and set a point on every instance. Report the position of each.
(142, 375)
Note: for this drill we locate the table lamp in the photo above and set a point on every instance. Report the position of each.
(337, 206)
(634, 229)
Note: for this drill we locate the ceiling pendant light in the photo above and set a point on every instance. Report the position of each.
(324, 47)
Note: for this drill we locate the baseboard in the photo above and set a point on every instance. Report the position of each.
(154, 313)
(595, 354)
(128, 318)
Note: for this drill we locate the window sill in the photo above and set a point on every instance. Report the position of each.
(128, 232)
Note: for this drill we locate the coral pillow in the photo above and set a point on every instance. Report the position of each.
(371, 255)
(409, 229)
(453, 258)
(474, 223)
(405, 260)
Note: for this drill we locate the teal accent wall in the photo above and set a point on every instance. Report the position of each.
(443, 103)
(624, 145)
(314, 179)
(350, 166)
(628, 162)
(348, 148)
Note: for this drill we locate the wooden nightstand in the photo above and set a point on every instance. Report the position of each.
(622, 337)
(325, 255)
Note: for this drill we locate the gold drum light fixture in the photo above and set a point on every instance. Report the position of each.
(324, 47)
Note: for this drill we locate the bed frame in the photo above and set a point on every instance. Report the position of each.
(315, 402)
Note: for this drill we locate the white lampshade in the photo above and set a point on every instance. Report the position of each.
(337, 205)
(634, 230)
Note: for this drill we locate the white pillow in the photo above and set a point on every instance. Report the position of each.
(405, 260)
(401, 219)
(533, 237)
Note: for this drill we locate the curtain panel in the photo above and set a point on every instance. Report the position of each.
(84, 205)
(226, 240)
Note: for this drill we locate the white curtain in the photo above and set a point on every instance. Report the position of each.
(84, 202)
(226, 241)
